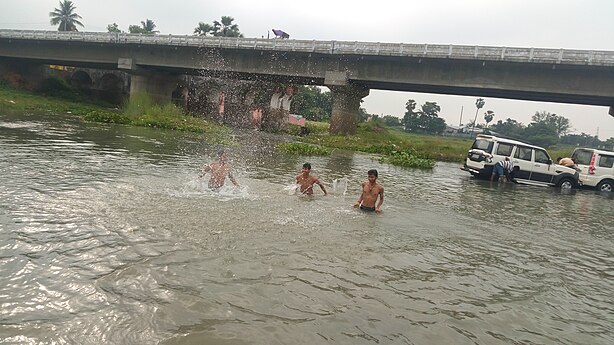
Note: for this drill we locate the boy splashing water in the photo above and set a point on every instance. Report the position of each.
(306, 181)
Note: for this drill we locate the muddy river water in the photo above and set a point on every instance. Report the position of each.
(107, 236)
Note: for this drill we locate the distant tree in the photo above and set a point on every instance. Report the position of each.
(203, 29)
(510, 128)
(431, 122)
(391, 121)
(113, 28)
(410, 120)
(582, 139)
(488, 116)
(147, 27)
(363, 115)
(65, 17)
(225, 28)
(479, 103)
(539, 133)
(312, 103)
(609, 144)
(560, 124)
(426, 120)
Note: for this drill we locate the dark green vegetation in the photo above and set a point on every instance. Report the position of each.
(140, 111)
(223, 28)
(304, 149)
(147, 27)
(395, 146)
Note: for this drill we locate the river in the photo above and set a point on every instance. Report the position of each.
(107, 236)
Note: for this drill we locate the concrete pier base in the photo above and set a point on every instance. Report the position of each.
(346, 102)
(158, 86)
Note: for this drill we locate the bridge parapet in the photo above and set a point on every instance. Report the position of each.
(465, 52)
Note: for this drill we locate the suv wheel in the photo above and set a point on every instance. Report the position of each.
(566, 183)
(605, 186)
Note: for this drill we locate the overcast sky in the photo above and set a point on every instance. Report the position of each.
(571, 24)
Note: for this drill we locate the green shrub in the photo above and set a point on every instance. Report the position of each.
(106, 116)
(408, 159)
(304, 149)
(56, 86)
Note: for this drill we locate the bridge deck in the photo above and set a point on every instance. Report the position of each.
(512, 54)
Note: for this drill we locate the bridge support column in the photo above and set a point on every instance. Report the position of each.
(159, 87)
(346, 102)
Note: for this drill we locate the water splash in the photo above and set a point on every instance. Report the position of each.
(291, 189)
(340, 186)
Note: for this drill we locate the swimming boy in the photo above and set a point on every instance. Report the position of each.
(306, 181)
(219, 169)
(371, 190)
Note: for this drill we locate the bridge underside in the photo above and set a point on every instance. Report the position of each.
(550, 82)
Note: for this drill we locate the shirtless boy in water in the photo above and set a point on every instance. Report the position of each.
(219, 169)
(306, 181)
(370, 191)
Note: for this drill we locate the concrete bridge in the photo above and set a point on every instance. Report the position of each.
(349, 69)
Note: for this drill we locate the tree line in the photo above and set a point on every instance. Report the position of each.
(67, 19)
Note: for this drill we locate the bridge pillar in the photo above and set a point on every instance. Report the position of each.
(346, 102)
(158, 86)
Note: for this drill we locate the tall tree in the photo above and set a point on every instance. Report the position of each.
(560, 124)
(147, 27)
(488, 116)
(113, 28)
(510, 128)
(540, 133)
(203, 29)
(426, 120)
(479, 103)
(312, 103)
(65, 17)
(431, 122)
(410, 119)
(226, 28)
(391, 121)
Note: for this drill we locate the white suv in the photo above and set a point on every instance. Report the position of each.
(596, 168)
(532, 164)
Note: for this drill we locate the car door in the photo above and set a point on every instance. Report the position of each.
(523, 159)
(542, 171)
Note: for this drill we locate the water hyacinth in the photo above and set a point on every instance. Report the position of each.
(304, 149)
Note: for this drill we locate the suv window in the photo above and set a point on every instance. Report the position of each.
(505, 149)
(523, 153)
(541, 157)
(582, 157)
(484, 145)
(606, 161)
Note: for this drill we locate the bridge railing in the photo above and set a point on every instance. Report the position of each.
(512, 54)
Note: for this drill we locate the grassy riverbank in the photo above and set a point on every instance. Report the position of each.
(140, 111)
(394, 146)
(394, 143)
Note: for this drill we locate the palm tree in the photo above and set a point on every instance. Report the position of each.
(203, 29)
(226, 28)
(488, 116)
(479, 103)
(149, 26)
(65, 17)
